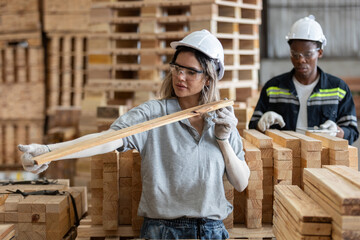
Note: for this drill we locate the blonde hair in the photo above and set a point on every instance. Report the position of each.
(209, 93)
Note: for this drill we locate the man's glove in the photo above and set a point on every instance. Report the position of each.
(268, 119)
(330, 125)
(30, 151)
(225, 122)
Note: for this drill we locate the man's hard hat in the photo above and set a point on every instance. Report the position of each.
(206, 43)
(307, 29)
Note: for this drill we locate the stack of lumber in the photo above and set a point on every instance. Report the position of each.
(22, 85)
(265, 145)
(292, 143)
(97, 224)
(254, 191)
(337, 190)
(42, 216)
(338, 148)
(311, 149)
(66, 28)
(297, 216)
(283, 165)
(243, 114)
(110, 217)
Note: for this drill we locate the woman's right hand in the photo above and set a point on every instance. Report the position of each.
(30, 151)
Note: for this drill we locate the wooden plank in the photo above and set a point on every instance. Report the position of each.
(257, 138)
(145, 126)
(349, 174)
(343, 194)
(285, 140)
(307, 143)
(334, 143)
(300, 205)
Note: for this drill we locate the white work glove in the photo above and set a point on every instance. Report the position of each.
(30, 151)
(268, 119)
(330, 125)
(225, 122)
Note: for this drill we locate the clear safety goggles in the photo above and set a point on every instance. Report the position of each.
(307, 55)
(191, 74)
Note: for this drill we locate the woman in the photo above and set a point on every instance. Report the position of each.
(183, 163)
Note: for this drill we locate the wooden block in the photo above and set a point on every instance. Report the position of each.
(334, 143)
(125, 207)
(282, 153)
(308, 144)
(285, 140)
(339, 155)
(325, 159)
(257, 138)
(353, 157)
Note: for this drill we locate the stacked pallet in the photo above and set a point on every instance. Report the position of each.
(22, 85)
(66, 28)
(265, 145)
(129, 47)
(337, 190)
(42, 216)
(297, 216)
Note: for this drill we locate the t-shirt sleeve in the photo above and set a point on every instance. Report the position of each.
(136, 115)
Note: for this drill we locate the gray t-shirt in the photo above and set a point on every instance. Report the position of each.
(182, 172)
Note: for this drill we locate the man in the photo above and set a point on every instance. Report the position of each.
(306, 96)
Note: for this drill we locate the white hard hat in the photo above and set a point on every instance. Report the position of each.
(307, 29)
(206, 43)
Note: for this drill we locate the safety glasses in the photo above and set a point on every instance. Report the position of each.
(307, 55)
(191, 74)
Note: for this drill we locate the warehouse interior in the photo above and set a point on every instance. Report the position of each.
(71, 67)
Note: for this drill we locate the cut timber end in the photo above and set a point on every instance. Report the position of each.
(141, 127)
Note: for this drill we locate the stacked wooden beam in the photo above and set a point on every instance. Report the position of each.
(292, 143)
(338, 148)
(42, 216)
(265, 144)
(22, 86)
(243, 113)
(311, 149)
(283, 165)
(337, 190)
(254, 190)
(129, 193)
(297, 216)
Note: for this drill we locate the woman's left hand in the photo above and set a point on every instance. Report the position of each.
(225, 122)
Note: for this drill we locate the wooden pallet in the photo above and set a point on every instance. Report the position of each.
(20, 16)
(66, 16)
(67, 70)
(14, 132)
(134, 49)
